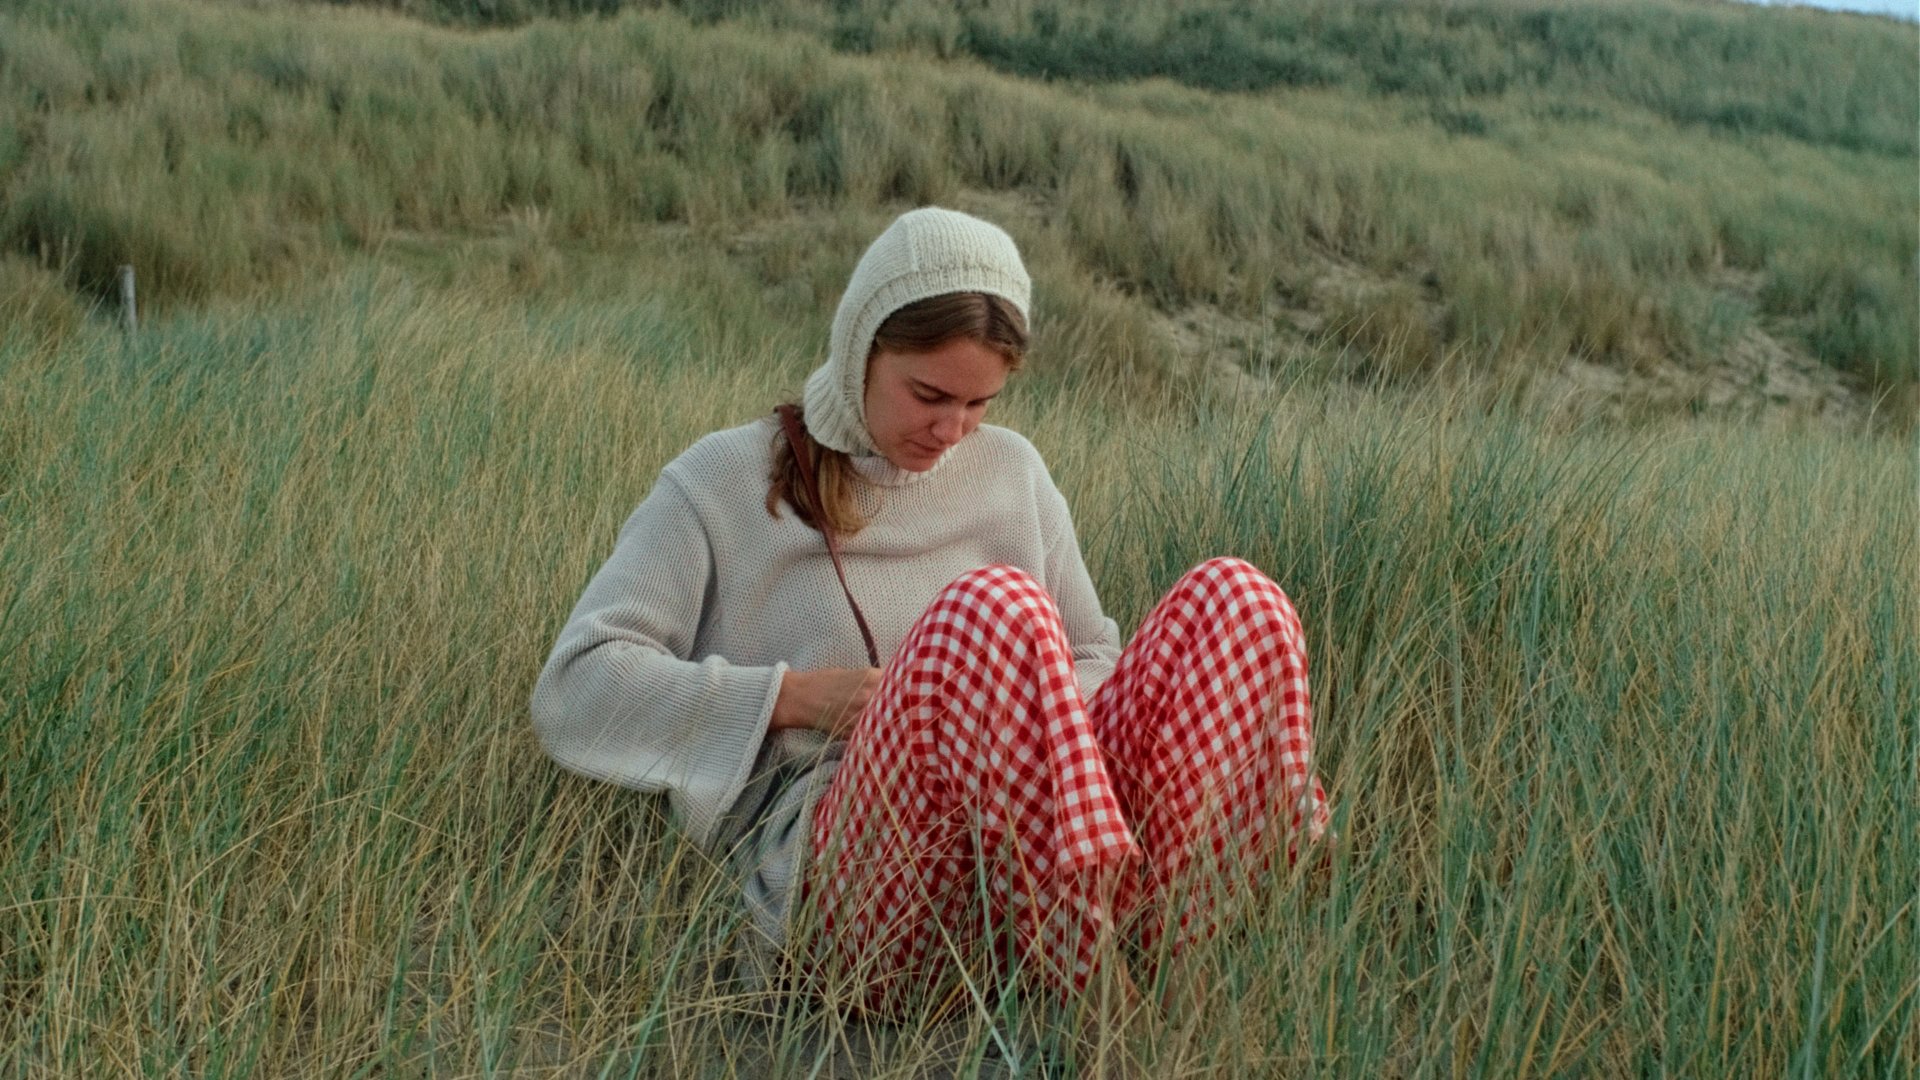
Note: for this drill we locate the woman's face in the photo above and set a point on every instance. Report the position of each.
(919, 404)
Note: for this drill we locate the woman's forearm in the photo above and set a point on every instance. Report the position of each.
(829, 699)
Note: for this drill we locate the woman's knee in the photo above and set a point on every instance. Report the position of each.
(1242, 608)
(1005, 596)
(1005, 650)
(1230, 579)
(993, 636)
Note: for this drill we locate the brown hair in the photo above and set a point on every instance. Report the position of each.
(921, 326)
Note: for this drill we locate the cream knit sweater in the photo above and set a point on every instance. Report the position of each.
(665, 675)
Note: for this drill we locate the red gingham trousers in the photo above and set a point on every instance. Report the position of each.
(980, 797)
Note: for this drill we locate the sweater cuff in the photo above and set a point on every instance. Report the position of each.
(736, 735)
(759, 725)
(764, 722)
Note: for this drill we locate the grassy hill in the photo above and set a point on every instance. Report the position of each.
(1617, 717)
(1465, 187)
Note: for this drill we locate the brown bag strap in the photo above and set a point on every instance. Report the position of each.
(797, 438)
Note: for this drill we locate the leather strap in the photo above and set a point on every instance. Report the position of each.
(797, 438)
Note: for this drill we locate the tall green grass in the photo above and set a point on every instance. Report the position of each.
(217, 146)
(1619, 724)
(1719, 65)
(1619, 721)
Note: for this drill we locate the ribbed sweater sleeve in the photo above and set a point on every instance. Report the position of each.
(620, 700)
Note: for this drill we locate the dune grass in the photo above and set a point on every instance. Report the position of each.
(1704, 62)
(1568, 207)
(1618, 723)
(1618, 720)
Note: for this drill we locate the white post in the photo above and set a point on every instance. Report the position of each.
(128, 316)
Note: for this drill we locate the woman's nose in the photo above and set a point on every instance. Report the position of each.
(949, 427)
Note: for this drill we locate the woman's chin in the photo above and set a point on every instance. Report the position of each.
(914, 459)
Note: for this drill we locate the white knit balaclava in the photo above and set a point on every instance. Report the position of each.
(924, 253)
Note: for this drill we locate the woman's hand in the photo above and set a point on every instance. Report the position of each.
(828, 700)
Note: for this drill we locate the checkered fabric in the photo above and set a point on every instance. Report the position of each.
(982, 801)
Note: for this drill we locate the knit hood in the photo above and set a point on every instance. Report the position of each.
(924, 253)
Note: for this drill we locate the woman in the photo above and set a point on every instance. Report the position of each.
(1001, 769)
